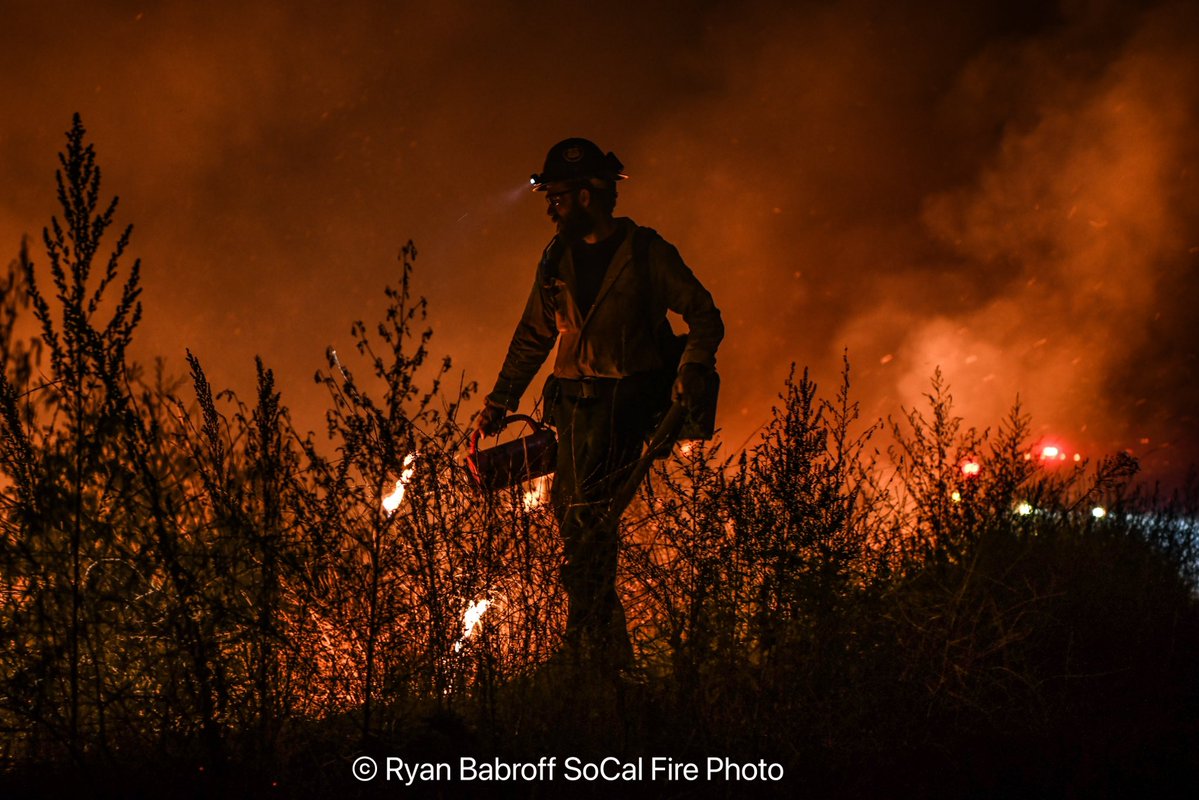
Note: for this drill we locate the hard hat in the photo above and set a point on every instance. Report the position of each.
(575, 160)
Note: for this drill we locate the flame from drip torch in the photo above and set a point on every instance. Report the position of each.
(392, 501)
(535, 494)
(470, 620)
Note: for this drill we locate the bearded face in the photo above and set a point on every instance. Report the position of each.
(572, 220)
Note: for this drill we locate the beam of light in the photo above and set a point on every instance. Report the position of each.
(392, 501)
(470, 620)
(1050, 451)
(1098, 512)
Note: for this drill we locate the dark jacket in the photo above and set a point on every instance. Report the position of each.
(621, 334)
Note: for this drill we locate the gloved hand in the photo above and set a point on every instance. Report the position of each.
(691, 385)
(490, 419)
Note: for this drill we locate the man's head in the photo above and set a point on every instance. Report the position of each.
(579, 182)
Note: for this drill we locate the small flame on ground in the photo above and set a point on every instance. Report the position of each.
(1024, 508)
(470, 620)
(956, 496)
(392, 501)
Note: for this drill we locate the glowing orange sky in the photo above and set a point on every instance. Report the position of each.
(1007, 192)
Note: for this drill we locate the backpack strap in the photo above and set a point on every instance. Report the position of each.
(642, 239)
(551, 258)
(672, 346)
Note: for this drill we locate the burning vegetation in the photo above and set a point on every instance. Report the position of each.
(188, 581)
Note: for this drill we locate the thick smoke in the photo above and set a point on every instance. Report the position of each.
(1087, 206)
(1007, 192)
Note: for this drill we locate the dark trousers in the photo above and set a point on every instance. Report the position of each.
(601, 430)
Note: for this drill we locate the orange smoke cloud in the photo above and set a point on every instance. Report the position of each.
(1075, 207)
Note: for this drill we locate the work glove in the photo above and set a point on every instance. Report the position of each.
(691, 385)
(490, 420)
